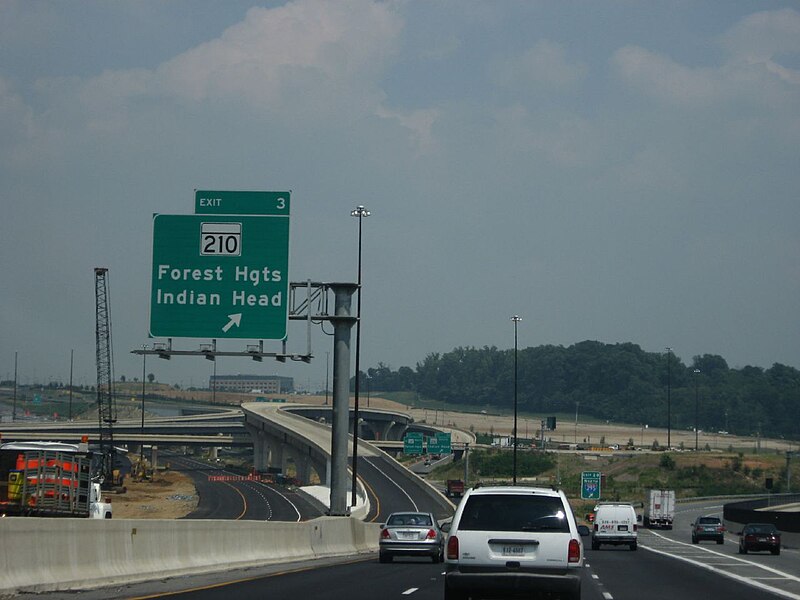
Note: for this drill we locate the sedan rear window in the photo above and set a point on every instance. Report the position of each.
(762, 529)
(498, 512)
(401, 520)
(708, 520)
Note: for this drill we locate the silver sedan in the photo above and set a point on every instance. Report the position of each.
(411, 534)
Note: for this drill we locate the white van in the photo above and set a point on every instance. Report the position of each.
(614, 524)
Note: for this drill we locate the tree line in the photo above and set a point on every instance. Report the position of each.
(617, 382)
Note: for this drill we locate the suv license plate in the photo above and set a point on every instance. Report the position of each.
(513, 550)
(623, 528)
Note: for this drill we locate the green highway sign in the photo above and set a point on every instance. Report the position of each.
(590, 485)
(440, 443)
(412, 443)
(210, 202)
(220, 276)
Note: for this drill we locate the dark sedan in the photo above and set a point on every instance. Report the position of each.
(759, 537)
(411, 534)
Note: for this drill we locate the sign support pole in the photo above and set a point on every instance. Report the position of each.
(342, 325)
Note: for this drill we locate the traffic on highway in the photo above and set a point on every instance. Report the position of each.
(668, 564)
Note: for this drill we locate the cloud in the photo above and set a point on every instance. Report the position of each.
(752, 72)
(305, 47)
(16, 122)
(663, 78)
(762, 36)
(545, 66)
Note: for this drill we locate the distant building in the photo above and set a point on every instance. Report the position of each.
(261, 384)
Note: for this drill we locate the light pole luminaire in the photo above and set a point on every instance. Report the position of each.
(516, 319)
(359, 212)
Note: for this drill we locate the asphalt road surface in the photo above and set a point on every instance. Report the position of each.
(221, 496)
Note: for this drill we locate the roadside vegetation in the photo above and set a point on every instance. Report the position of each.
(628, 476)
(617, 382)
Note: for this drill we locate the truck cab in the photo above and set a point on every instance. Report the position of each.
(98, 508)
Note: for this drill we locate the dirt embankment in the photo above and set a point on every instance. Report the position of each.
(168, 495)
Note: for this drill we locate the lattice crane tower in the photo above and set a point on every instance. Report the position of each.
(106, 409)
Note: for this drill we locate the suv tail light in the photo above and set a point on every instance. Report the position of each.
(635, 528)
(574, 552)
(595, 526)
(431, 534)
(452, 547)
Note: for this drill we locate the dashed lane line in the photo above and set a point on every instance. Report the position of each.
(752, 581)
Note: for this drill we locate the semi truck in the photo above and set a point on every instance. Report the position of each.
(49, 479)
(660, 509)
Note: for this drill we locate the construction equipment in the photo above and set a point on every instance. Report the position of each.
(49, 479)
(106, 408)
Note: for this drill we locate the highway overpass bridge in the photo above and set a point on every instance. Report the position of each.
(230, 428)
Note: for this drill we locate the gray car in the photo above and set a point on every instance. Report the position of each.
(411, 534)
(708, 528)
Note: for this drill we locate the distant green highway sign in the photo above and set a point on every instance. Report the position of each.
(440, 443)
(221, 275)
(590, 485)
(412, 442)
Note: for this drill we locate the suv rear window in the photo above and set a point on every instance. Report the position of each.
(507, 512)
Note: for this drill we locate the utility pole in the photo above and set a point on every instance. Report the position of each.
(696, 404)
(669, 402)
(14, 409)
(71, 355)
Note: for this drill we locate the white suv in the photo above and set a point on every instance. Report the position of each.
(513, 540)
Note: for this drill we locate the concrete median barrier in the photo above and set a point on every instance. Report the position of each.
(39, 554)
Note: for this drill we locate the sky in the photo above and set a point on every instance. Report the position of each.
(618, 171)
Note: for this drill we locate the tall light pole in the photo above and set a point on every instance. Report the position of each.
(516, 319)
(144, 379)
(14, 409)
(359, 212)
(696, 405)
(577, 404)
(71, 362)
(669, 403)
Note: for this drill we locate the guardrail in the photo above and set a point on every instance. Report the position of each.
(40, 554)
(752, 511)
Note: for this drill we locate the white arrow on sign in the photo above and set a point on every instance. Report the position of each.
(234, 320)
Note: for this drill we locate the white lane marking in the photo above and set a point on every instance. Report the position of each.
(292, 504)
(738, 561)
(397, 485)
(410, 591)
(747, 580)
(608, 596)
(595, 576)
